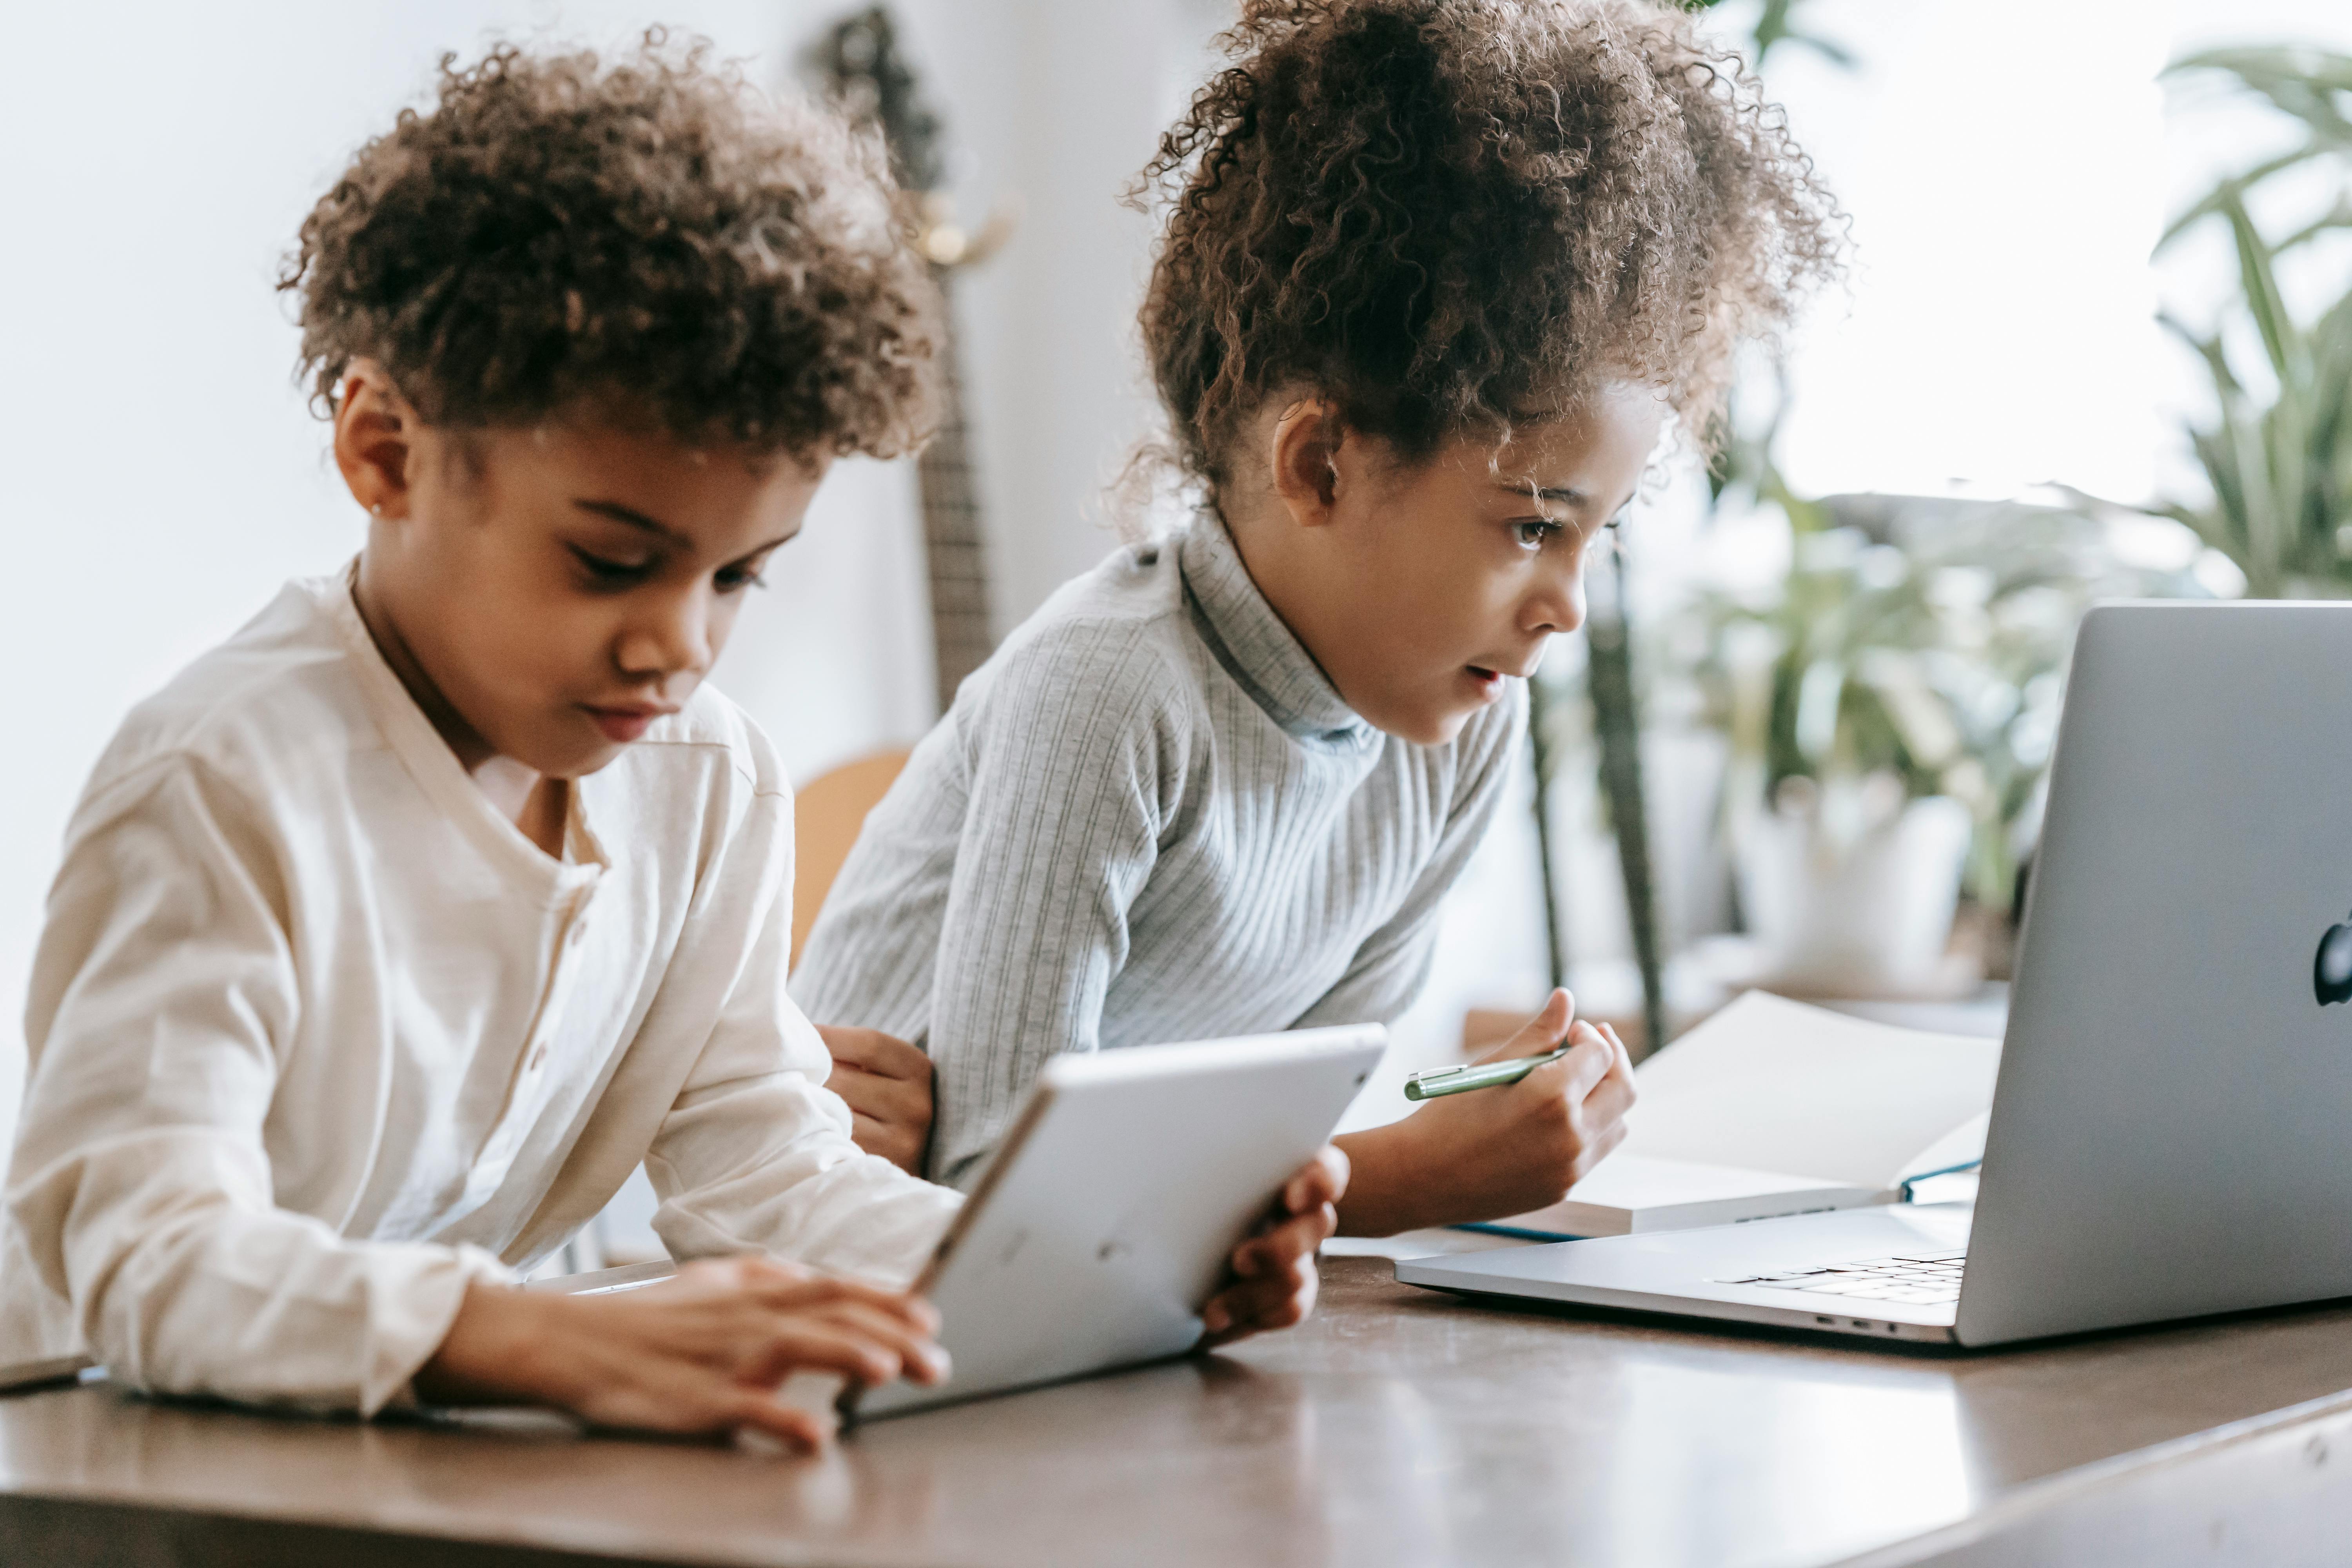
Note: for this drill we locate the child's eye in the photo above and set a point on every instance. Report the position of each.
(1534, 531)
(735, 579)
(607, 572)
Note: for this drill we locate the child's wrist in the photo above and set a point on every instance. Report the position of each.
(1388, 1188)
(494, 1350)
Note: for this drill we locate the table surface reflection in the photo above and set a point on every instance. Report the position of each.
(1397, 1426)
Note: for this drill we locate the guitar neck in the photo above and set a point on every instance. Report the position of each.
(860, 58)
(952, 548)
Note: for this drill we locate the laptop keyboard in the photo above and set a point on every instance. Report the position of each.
(1922, 1279)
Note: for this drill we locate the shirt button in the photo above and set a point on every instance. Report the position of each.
(539, 1059)
(579, 930)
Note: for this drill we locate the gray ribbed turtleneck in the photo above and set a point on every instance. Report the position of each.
(1149, 817)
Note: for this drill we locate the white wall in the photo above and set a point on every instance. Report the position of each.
(1999, 159)
(2009, 165)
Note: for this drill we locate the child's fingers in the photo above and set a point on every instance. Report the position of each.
(1607, 1104)
(825, 1289)
(1588, 1061)
(1298, 1238)
(918, 1355)
(1281, 1248)
(1236, 1316)
(1540, 1034)
(801, 1431)
(1617, 1090)
(1624, 1058)
(871, 1050)
(1230, 1313)
(1256, 1306)
(895, 1102)
(806, 1345)
(1322, 1180)
(1285, 1311)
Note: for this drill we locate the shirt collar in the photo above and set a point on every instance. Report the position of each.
(444, 780)
(1257, 649)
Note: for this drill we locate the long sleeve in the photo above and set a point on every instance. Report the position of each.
(141, 1188)
(1069, 760)
(756, 1154)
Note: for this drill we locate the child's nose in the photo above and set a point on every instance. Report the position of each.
(1558, 605)
(671, 639)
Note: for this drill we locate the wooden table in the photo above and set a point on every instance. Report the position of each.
(1398, 1428)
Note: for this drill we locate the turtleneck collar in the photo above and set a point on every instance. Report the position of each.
(1252, 642)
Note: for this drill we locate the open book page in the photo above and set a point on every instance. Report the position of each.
(1774, 1085)
(1963, 1145)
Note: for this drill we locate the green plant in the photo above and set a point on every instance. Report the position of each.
(1776, 25)
(1925, 640)
(2280, 469)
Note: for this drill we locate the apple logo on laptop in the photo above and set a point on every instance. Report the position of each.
(2331, 971)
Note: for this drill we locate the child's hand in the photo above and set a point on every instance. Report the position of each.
(704, 1353)
(1489, 1152)
(887, 1084)
(1273, 1277)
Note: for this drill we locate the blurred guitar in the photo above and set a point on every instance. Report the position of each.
(862, 68)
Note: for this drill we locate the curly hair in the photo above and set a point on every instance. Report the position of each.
(1449, 216)
(650, 237)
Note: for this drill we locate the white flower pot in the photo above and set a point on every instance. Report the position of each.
(1848, 901)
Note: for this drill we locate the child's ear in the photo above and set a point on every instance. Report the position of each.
(1305, 460)
(375, 434)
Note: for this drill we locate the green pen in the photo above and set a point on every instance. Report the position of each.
(1457, 1081)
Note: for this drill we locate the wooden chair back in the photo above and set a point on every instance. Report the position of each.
(826, 816)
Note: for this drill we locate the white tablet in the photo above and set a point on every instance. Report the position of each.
(1102, 1225)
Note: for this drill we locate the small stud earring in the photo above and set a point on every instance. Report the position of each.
(377, 510)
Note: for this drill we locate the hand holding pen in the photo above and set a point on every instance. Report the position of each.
(1554, 1109)
(1502, 1068)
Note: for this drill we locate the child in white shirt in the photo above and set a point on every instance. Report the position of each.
(395, 933)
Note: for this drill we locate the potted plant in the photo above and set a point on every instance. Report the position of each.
(1891, 703)
(2278, 453)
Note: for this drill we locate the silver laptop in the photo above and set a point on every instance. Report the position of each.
(2172, 1133)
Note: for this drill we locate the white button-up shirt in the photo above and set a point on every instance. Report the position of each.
(317, 1037)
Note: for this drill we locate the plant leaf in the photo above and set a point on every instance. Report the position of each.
(2239, 183)
(2300, 79)
(2336, 217)
(2290, 355)
(2217, 363)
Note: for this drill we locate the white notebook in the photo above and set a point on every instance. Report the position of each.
(1773, 1108)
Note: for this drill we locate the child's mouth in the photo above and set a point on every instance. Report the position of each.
(622, 725)
(1489, 682)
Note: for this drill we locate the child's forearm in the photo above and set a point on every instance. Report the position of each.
(492, 1353)
(1388, 1190)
